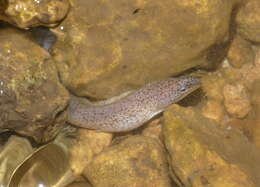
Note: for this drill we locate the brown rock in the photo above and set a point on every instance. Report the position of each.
(153, 129)
(250, 72)
(203, 153)
(232, 113)
(31, 96)
(228, 72)
(213, 110)
(255, 125)
(237, 100)
(88, 144)
(240, 52)
(136, 161)
(213, 85)
(245, 75)
(119, 46)
(248, 21)
(31, 13)
(255, 94)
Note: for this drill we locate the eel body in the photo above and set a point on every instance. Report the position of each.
(127, 112)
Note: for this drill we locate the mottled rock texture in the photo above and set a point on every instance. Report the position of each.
(136, 161)
(236, 100)
(254, 120)
(203, 153)
(31, 96)
(248, 20)
(31, 13)
(230, 91)
(108, 47)
(240, 52)
(87, 145)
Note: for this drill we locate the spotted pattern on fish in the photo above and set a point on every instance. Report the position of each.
(133, 110)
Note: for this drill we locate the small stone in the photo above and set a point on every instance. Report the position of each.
(212, 86)
(237, 100)
(88, 144)
(240, 52)
(153, 129)
(248, 20)
(31, 13)
(136, 161)
(213, 110)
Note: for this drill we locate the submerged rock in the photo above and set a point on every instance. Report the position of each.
(255, 121)
(203, 153)
(87, 145)
(248, 20)
(153, 129)
(31, 13)
(213, 109)
(31, 96)
(136, 161)
(236, 100)
(108, 47)
(229, 93)
(240, 52)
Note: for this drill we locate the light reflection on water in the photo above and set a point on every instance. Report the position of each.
(41, 185)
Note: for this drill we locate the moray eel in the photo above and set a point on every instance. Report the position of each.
(130, 110)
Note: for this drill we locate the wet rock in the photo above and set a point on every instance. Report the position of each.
(255, 125)
(153, 129)
(31, 96)
(203, 153)
(240, 52)
(213, 110)
(107, 48)
(136, 161)
(251, 72)
(31, 13)
(229, 91)
(213, 85)
(255, 94)
(88, 144)
(237, 100)
(248, 21)
(11, 155)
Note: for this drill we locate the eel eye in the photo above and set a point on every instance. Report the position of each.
(182, 89)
